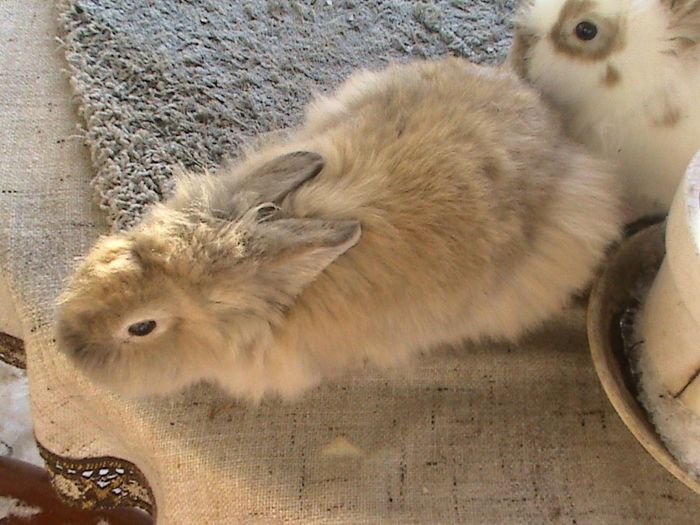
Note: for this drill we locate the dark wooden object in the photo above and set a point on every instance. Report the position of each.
(30, 485)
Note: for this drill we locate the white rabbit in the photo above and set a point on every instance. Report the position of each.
(424, 204)
(626, 76)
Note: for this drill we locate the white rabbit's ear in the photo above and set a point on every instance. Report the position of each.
(275, 179)
(684, 28)
(295, 251)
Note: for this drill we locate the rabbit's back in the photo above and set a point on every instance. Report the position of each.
(442, 154)
(463, 184)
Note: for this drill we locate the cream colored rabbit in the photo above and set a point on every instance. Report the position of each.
(428, 203)
(626, 75)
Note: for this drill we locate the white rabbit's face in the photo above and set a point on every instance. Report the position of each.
(589, 54)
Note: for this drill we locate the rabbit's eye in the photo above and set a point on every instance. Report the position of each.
(143, 328)
(586, 31)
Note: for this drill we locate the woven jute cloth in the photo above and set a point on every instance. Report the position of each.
(487, 434)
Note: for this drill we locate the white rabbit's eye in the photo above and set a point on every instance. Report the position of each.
(142, 329)
(586, 30)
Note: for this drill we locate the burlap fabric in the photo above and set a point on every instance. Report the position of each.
(495, 434)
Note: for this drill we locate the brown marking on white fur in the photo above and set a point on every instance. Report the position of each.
(670, 117)
(523, 41)
(610, 37)
(662, 109)
(612, 76)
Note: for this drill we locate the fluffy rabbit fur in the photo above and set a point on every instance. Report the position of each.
(424, 204)
(632, 92)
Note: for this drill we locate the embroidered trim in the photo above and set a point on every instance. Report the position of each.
(98, 483)
(12, 351)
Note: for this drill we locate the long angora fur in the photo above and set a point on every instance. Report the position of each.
(630, 90)
(428, 203)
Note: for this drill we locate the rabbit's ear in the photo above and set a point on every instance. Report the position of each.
(275, 179)
(295, 251)
(684, 27)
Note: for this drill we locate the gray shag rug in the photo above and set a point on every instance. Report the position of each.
(173, 82)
